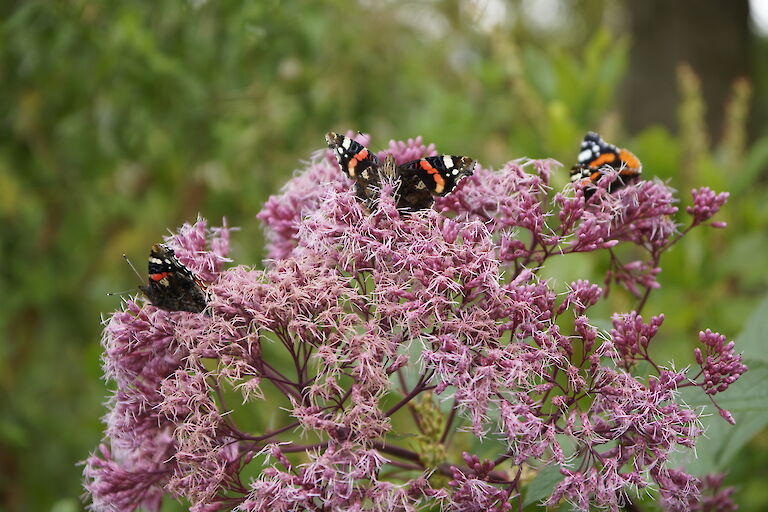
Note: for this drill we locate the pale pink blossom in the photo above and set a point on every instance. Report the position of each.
(364, 317)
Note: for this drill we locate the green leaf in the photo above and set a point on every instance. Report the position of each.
(751, 341)
(543, 485)
(747, 400)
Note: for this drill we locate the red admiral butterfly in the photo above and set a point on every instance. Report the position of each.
(420, 180)
(172, 286)
(595, 155)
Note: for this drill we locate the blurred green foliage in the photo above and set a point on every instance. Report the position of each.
(120, 120)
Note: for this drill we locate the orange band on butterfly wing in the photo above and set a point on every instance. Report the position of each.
(605, 158)
(629, 159)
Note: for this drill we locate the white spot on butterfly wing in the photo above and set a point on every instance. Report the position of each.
(448, 161)
(155, 261)
(585, 155)
(347, 142)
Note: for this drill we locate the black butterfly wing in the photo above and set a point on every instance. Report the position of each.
(355, 160)
(171, 285)
(595, 152)
(439, 174)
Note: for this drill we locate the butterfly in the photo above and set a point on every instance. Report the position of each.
(595, 156)
(419, 180)
(171, 285)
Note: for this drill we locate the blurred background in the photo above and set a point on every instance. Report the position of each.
(121, 120)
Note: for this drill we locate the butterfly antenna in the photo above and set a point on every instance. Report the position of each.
(110, 294)
(133, 268)
(369, 141)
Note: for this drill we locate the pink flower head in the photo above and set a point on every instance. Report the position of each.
(581, 297)
(715, 498)
(706, 204)
(303, 194)
(720, 364)
(204, 251)
(509, 198)
(115, 486)
(471, 491)
(631, 337)
(405, 151)
(640, 213)
(679, 490)
(370, 321)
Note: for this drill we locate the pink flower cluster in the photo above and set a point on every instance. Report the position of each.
(632, 337)
(720, 365)
(388, 337)
(706, 204)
